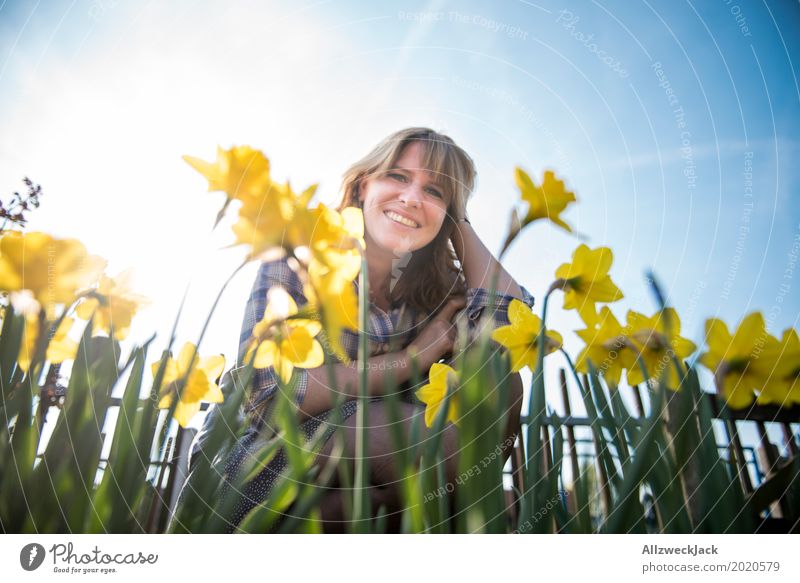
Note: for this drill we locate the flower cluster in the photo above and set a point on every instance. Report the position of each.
(325, 247)
(750, 365)
(45, 278)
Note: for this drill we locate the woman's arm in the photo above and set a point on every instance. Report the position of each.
(478, 263)
(321, 396)
(434, 341)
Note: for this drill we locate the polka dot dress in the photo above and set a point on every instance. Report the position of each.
(257, 490)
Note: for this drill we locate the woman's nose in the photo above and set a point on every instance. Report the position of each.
(412, 195)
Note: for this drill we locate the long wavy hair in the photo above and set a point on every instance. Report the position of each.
(431, 275)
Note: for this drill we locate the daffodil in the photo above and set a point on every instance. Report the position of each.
(283, 342)
(53, 270)
(335, 240)
(201, 383)
(266, 220)
(521, 337)
(787, 390)
(658, 340)
(113, 305)
(607, 346)
(239, 172)
(585, 281)
(744, 362)
(334, 299)
(434, 392)
(59, 348)
(547, 201)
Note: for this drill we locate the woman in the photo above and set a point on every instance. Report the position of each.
(412, 188)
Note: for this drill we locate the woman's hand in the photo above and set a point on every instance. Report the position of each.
(438, 336)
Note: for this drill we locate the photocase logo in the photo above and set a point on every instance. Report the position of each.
(31, 556)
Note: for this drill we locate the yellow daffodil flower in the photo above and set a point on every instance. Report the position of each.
(547, 201)
(283, 342)
(239, 172)
(266, 221)
(434, 392)
(521, 337)
(59, 349)
(53, 270)
(607, 346)
(743, 363)
(201, 385)
(585, 281)
(336, 240)
(786, 391)
(658, 340)
(115, 307)
(335, 300)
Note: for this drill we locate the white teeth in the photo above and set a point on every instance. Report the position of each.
(401, 219)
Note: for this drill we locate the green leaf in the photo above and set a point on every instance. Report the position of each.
(10, 342)
(782, 484)
(124, 478)
(627, 509)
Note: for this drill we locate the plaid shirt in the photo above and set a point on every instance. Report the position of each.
(386, 331)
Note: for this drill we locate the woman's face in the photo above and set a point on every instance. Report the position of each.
(405, 207)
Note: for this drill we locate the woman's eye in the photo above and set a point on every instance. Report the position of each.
(395, 176)
(435, 193)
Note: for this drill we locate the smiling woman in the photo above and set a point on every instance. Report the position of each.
(425, 267)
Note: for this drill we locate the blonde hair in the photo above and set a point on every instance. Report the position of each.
(431, 275)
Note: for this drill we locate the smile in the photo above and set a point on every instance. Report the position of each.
(401, 219)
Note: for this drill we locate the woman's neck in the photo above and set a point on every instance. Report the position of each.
(379, 271)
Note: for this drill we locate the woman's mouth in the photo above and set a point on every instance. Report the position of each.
(401, 220)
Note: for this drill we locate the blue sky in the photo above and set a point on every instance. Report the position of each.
(100, 98)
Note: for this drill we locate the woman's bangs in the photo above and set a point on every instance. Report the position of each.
(440, 158)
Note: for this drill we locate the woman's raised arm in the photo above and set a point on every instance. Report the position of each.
(478, 263)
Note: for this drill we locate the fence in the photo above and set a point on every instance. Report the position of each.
(751, 465)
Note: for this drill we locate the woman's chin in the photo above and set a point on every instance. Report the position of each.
(398, 246)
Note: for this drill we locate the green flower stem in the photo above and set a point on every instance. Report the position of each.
(535, 414)
(361, 503)
(165, 429)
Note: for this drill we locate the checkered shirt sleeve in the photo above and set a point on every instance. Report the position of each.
(479, 301)
(270, 274)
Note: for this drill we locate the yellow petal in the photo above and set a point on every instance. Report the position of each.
(185, 411)
(737, 392)
(600, 260)
(430, 394)
(214, 394)
(212, 366)
(312, 327)
(207, 169)
(605, 290)
(266, 354)
(508, 336)
(86, 308)
(751, 328)
(185, 360)
(718, 337)
(284, 369)
(430, 413)
(522, 356)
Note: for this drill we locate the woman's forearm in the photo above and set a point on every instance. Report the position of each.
(478, 263)
(321, 396)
